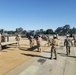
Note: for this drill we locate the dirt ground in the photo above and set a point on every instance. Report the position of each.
(12, 56)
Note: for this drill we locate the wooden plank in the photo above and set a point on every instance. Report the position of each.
(7, 43)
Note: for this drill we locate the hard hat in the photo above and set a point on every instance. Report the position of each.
(67, 35)
(54, 36)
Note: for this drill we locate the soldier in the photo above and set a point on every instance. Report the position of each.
(74, 38)
(0, 41)
(31, 41)
(48, 41)
(18, 39)
(0, 38)
(39, 40)
(67, 43)
(54, 46)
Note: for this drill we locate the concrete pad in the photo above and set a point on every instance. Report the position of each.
(46, 68)
(30, 70)
(70, 68)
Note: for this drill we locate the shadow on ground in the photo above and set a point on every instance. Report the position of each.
(34, 55)
(62, 54)
(47, 51)
(28, 49)
(65, 55)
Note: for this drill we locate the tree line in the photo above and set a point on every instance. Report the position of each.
(20, 30)
(66, 29)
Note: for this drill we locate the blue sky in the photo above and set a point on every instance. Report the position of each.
(37, 14)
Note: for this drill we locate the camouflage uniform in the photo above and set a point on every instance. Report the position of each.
(18, 39)
(75, 42)
(0, 42)
(74, 38)
(54, 47)
(67, 43)
(31, 42)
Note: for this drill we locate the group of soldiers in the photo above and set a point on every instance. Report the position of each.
(38, 41)
(67, 43)
(54, 43)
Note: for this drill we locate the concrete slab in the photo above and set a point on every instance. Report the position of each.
(70, 67)
(30, 70)
(34, 61)
(42, 65)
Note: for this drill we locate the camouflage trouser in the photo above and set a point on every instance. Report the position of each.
(53, 50)
(75, 43)
(68, 50)
(48, 42)
(39, 46)
(18, 44)
(31, 44)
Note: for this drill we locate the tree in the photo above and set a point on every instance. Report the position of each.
(49, 31)
(73, 30)
(2, 31)
(63, 30)
(19, 30)
(41, 31)
(59, 30)
(66, 29)
(37, 31)
(24, 32)
(11, 32)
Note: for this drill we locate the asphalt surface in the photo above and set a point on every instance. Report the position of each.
(41, 64)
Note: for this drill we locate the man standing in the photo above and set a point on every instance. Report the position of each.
(67, 43)
(32, 41)
(74, 38)
(18, 39)
(54, 46)
(39, 40)
(0, 38)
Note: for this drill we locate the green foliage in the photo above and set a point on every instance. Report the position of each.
(49, 31)
(19, 30)
(60, 30)
(73, 30)
(65, 30)
(41, 31)
(24, 32)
